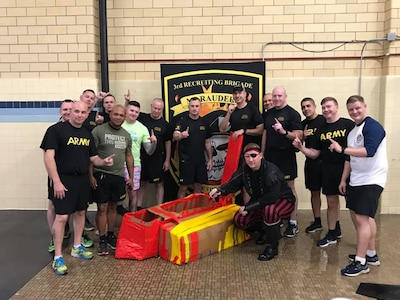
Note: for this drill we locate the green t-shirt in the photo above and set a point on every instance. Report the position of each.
(139, 134)
(109, 140)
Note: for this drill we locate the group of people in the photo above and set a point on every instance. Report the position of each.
(93, 156)
(115, 153)
(343, 157)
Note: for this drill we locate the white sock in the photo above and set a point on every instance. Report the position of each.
(294, 222)
(57, 257)
(371, 253)
(362, 260)
(76, 246)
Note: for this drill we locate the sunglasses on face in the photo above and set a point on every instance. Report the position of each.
(252, 155)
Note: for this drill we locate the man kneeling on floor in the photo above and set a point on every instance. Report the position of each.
(271, 199)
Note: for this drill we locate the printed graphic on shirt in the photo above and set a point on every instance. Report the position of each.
(78, 141)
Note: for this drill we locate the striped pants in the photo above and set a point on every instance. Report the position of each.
(270, 214)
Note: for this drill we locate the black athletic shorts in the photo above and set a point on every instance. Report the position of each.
(152, 168)
(363, 199)
(192, 172)
(76, 196)
(110, 188)
(49, 190)
(331, 175)
(312, 174)
(285, 160)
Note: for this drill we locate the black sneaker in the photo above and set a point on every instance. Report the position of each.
(112, 241)
(338, 230)
(314, 227)
(291, 230)
(88, 226)
(326, 241)
(103, 248)
(371, 260)
(355, 269)
(121, 210)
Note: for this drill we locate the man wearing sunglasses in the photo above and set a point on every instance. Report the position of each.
(271, 199)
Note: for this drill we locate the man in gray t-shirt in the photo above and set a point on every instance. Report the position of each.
(108, 182)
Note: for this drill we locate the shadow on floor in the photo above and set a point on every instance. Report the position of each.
(22, 255)
(23, 252)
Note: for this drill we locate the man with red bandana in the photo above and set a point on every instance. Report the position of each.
(271, 199)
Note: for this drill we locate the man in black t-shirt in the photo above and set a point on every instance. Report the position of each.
(282, 124)
(154, 166)
(108, 103)
(65, 111)
(312, 167)
(193, 135)
(268, 103)
(89, 97)
(68, 148)
(335, 128)
(244, 119)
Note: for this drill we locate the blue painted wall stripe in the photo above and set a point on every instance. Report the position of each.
(29, 111)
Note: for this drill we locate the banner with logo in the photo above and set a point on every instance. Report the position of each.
(212, 84)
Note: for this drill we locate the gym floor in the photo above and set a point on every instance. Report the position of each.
(300, 271)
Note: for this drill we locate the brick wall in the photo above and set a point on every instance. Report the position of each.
(48, 39)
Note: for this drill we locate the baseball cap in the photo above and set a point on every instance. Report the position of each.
(239, 88)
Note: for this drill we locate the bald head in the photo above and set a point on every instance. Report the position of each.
(79, 113)
(279, 97)
(117, 115)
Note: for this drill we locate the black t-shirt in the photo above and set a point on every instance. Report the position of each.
(337, 131)
(161, 130)
(290, 120)
(90, 122)
(193, 147)
(247, 117)
(73, 148)
(312, 126)
(105, 115)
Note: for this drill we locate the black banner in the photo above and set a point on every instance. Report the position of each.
(213, 84)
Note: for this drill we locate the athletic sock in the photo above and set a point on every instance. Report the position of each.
(317, 220)
(294, 222)
(76, 246)
(371, 253)
(57, 257)
(362, 260)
